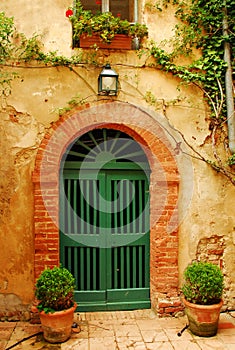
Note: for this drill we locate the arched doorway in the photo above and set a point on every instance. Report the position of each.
(104, 220)
(162, 154)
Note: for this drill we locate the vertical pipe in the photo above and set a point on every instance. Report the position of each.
(229, 87)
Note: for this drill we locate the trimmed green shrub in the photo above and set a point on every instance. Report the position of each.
(55, 289)
(203, 283)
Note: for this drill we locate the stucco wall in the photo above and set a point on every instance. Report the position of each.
(206, 198)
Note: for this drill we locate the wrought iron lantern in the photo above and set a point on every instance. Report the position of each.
(108, 81)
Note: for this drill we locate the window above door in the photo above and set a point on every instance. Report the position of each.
(125, 9)
(107, 24)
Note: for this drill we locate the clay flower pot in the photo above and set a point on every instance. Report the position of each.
(57, 325)
(203, 319)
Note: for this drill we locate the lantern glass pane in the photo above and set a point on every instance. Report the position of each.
(108, 83)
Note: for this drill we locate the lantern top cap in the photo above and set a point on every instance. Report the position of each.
(108, 71)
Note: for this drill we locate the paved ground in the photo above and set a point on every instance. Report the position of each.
(139, 330)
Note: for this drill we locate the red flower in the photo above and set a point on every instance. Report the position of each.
(69, 13)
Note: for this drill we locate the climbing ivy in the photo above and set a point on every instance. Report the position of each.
(16, 49)
(200, 28)
(6, 48)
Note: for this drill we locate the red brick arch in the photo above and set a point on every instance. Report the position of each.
(164, 183)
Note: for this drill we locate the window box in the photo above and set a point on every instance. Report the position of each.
(112, 32)
(120, 41)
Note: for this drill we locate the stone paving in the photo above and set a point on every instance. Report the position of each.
(119, 330)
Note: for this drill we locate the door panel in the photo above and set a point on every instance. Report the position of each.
(104, 227)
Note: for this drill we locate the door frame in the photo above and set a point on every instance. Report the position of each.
(146, 128)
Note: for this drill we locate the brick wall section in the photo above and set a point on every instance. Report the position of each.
(211, 249)
(163, 191)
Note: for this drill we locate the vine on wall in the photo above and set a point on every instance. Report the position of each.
(201, 27)
(16, 51)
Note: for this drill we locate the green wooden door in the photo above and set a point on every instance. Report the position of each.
(104, 234)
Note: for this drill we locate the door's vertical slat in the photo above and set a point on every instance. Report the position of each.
(127, 205)
(94, 275)
(134, 266)
(133, 208)
(97, 268)
(82, 209)
(82, 266)
(88, 267)
(115, 267)
(75, 206)
(114, 203)
(87, 204)
(102, 276)
(69, 258)
(94, 209)
(128, 268)
(130, 206)
(121, 200)
(68, 204)
(115, 213)
(140, 266)
(140, 204)
(109, 268)
(76, 264)
(122, 268)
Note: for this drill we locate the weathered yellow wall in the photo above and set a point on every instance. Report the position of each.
(28, 112)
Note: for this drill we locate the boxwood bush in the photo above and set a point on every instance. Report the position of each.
(55, 289)
(203, 283)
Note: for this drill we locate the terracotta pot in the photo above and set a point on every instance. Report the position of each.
(203, 319)
(120, 41)
(57, 325)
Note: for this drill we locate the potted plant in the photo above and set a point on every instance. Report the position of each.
(103, 29)
(203, 289)
(56, 306)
